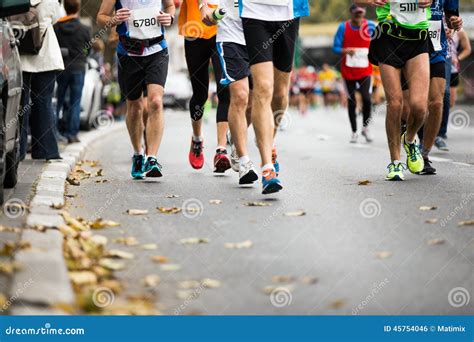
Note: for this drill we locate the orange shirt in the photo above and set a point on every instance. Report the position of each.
(190, 23)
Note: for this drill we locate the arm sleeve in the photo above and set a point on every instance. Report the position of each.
(339, 39)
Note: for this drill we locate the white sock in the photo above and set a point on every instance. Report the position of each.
(197, 138)
(221, 148)
(396, 162)
(268, 167)
(152, 157)
(409, 142)
(139, 153)
(244, 160)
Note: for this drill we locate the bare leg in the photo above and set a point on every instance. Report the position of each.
(435, 112)
(155, 119)
(222, 128)
(280, 95)
(134, 120)
(239, 97)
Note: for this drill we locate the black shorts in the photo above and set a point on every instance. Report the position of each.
(271, 41)
(454, 80)
(306, 91)
(234, 61)
(135, 73)
(386, 49)
(436, 70)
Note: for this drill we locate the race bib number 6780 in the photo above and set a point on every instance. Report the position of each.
(143, 23)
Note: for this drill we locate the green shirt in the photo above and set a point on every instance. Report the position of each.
(405, 13)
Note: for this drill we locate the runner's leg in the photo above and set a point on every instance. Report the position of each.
(280, 96)
(239, 97)
(224, 101)
(351, 89)
(135, 125)
(155, 119)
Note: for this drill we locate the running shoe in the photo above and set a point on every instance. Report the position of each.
(427, 169)
(153, 168)
(138, 162)
(395, 172)
(354, 138)
(196, 157)
(270, 181)
(221, 161)
(276, 164)
(366, 135)
(247, 174)
(414, 159)
(441, 144)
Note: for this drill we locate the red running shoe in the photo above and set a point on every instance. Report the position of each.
(196, 157)
(221, 161)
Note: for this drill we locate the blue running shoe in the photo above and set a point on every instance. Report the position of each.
(153, 168)
(271, 183)
(137, 166)
(276, 164)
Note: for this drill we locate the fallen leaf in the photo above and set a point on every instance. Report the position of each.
(112, 264)
(337, 304)
(127, 241)
(151, 280)
(193, 241)
(169, 210)
(99, 173)
(73, 181)
(295, 213)
(99, 240)
(185, 294)
(189, 284)
(149, 246)
(364, 182)
(172, 196)
(268, 290)
(436, 241)
(383, 255)
(118, 254)
(9, 229)
(258, 204)
(83, 278)
(427, 208)
(211, 283)
(431, 221)
(8, 267)
(100, 224)
(283, 279)
(215, 201)
(3, 300)
(102, 181)
(57, 206)
(170, 267)
(466, 223)
(309, 280)
(160, 259)
(73, 222)
(136, 212)
(239, 245)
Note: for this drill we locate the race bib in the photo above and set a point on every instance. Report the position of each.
(271, 2)
(143, 23)
(360, 59)
(435, 34)
(407, 11)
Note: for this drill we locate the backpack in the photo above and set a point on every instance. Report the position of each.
(26, 27)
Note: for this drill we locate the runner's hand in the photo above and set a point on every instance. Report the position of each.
(350, 52)
(165, 19)
(455, 23)
(207, 15)
(424, 3)
(380, 3)
(122, 15)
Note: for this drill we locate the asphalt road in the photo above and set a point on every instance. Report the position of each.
(358, 250)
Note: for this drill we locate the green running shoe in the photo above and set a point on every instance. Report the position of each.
(137, 166)
(395, 172)
(414, 159)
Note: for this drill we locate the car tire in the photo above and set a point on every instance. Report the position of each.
(2, 148)
(12, 160)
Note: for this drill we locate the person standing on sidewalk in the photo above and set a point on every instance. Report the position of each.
(200, 49)
(142, 65)
(352, 41)
(75, 41)
(271, 31)
(39, 74)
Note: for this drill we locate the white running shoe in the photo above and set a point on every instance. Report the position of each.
(366, 135)
(354, 138)
(234, 158)
(247, 174)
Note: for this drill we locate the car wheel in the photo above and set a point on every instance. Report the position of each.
(2, 148)
(12, 160)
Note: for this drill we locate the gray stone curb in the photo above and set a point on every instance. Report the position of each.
(43, 279)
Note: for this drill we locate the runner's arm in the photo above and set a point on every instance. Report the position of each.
(339, 40)
(166, 16)
(106, 16)
(465, 45)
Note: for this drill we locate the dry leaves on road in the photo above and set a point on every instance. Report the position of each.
(101, 224)
(149, 246)
(309, 280)
(268, 290)
(437, 241)
(170, 267)
(383, 255)
(337, 304)
(258, 204)
(239, 245)
(118, 254)
(112, 264)
(431, 221)
(160, 259)
(81, 278)
(169, 210)
(283, 279)
(189, 284)
(295, 213)
(466, 223)
(8, 267)
(215, 201)
(127, 241)
(364, 182)
(211, 283)
(151, 280)
(137, 212)
(193, 241)
(172, 196)
(427, 208)
(9, 229)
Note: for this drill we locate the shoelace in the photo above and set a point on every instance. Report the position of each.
(269, 175)
(413, 152)
(197, 148)
(392, 167)
(138, 162)
(154, 162)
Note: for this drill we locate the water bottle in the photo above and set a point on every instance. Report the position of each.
(219, 14)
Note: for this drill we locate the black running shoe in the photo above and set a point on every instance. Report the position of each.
(137, 166)
(427, 169)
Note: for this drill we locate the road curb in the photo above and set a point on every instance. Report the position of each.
(43, 282)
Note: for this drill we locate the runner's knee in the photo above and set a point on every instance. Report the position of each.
(155, 104)
(240, 97)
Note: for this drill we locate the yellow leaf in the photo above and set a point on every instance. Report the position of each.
(115, 253)
(239, 245)
(428, 208)
(160, 259)
(193, 241)
(466, 223)
(258, 204)
(136, 212)
(149, 246)
(100, 224)
(383, 255)
(151, 280)
(83, 278)
(127, 241)
(436, 241)
(431, 221)
(169, 210)
(170, 267)
(111, 264)
(296, 213)
(364, 182)
(210, 283)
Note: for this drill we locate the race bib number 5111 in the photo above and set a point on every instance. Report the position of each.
(143, 23)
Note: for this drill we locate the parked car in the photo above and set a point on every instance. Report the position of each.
(178, 91)
(10, 87)
(92, 99)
